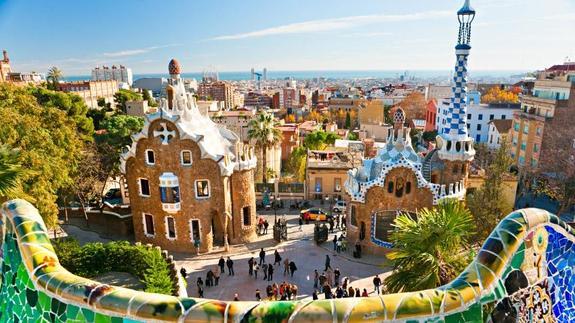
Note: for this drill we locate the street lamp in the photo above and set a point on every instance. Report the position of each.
(275, 209)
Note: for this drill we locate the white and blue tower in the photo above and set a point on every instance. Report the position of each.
(453, 141)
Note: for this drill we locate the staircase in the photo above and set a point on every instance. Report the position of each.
(426, 166)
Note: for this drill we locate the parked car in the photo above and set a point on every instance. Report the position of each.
(339, 207)
(314, 214)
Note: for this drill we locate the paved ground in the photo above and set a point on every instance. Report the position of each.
(300, 247)
(120, 279)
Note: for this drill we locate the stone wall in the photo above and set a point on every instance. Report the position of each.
(243, 195)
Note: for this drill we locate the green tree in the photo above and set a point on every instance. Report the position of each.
(157, 275)
(431, 248)
(347, 120)
(49, 141)
(353, 136)
(264, 131)
(488, 204)
(319, 140)
(54, 76)
(430, 136)
(297, 163)
(10, 172)
(97, 117)
(123, 95)
(146, 95)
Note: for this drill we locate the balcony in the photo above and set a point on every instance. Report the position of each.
(171, 207)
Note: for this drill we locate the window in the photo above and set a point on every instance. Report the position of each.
(469, 116)
(247, 216)
(337, 185)
(383, 225)
(186, 157)
(202, 188)
(535, 148)
(521, 160)
(491, 117)
(479, 127)
(533, 162)
(353, 216)
(390, 187)
(526, 128)
(149, 225)
(503, 117)
(514, 141)
(480, 117)
(408, 188)
(516, 126)
(468, 126)
(150, 157)
(478, 138)
(170, 227)
(144, 187)
(538, 131)
(195, 230)
(491, 139)
(318, 185)
(399, 187)
(523, 145)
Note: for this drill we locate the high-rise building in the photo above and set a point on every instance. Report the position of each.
(217, 91)
(545, 122)
(265, 74)
(121, 74)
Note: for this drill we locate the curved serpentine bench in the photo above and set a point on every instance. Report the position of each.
(524, 270)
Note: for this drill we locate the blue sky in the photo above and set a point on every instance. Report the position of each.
(232, 35)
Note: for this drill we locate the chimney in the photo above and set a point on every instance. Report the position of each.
(5, 54)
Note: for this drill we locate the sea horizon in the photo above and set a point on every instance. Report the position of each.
(330, 74)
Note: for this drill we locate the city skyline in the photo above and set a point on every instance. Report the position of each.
(292, 36)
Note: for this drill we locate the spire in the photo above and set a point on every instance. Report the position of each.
(455, 142)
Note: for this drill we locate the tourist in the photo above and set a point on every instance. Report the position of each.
(336, 275)
(216, 275)
(315, 278)
(339, 292)
(329, 276)
(266, 225)
(294, 291)
(345, 281)
(343, 244)
(199, 282)
(222, 263)
(357, 292)
(364, 294)
(327, 262)
(270, 272)
(322, 279)
(335, 242)
(265, 270)
(376, 284)
(269, 291)
(200, 285)
(337, 221)
(300, 223)
(230, 265)
(256, 269)
(331, 225)
(200, 292)
(277, 258)
(351, 292)
(251, 266)
(327, 291)
(286, 266)
(275, 289)
(262, 256)
(292, 268)
(184, 272)
(314, 295)
(260, 226)
(210, 278)
(258, 296)
(236, 298)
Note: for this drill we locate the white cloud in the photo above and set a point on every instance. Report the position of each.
(333, 24)
(133, 52)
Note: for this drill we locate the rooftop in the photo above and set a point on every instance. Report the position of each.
(502, 126)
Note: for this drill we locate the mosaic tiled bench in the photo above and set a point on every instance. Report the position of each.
(523, 273)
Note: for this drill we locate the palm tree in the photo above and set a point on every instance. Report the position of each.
(430, 248)
(10, 172)
(266, 134)
(54, 76)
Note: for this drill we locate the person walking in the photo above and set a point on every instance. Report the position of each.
(300, 224)
(251, 266)
(336, 275)
(270, 272)
(315, 278)
(258, 295)
(230, 264)
(277, 258)
(266, 225)
(335, 242)
(338, 246)
(286, 266)
(376, 284)
(327, 262)
(262, 256)
(314, 295)
(210, 278)
(256, 269)
(322, 279)
(222, 264)
(200, 284)
(265, 270)
(217, 275)
(292, 268)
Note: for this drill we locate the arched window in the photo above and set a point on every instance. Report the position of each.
(407, 187)
(390, 187)
(362, 231)
(353, 216)
(399, 186)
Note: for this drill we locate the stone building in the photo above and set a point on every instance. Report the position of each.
(91, 91)
(398, 179)
(190, 179)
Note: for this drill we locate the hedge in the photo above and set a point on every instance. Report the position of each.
(95, 259)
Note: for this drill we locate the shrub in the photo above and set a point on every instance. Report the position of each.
(94, 259)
